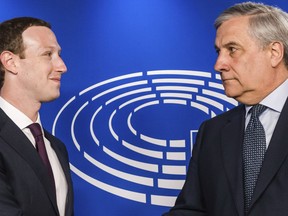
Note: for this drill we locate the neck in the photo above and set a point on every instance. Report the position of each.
(29, 108)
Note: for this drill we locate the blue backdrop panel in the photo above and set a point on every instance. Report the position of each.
(140, 81)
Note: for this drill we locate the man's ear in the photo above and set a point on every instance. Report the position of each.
(8, 61)
(277, 53)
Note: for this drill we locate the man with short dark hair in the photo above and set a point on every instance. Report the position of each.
(34, 168)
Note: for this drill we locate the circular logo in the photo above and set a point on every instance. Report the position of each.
(133, 135)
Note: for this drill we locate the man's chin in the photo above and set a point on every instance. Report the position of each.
(231, 94)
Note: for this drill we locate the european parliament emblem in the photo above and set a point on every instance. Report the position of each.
(132, 135)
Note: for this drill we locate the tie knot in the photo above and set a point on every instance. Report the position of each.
(35, 129)
(257, 109)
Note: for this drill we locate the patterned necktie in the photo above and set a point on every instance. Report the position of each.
(35, 129)
(253, 152)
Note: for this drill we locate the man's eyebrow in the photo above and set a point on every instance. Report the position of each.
(231, 43)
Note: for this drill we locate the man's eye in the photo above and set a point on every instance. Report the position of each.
(232, 49)
(48, 54)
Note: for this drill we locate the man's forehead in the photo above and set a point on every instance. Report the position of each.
(36, 35)
(232, 31)
(35, 30)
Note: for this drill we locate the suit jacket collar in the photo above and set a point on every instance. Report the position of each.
(63, 157)
(14, 137)
(232, 140)
(231, 144)
(274, 156)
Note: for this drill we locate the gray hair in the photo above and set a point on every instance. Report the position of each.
(266, 23)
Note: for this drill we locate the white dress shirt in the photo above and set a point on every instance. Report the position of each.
(274, 102)
(22, 121)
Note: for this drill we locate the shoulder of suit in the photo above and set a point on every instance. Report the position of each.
(238, 110)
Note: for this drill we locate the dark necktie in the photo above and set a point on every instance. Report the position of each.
(35, 129)
(254, 148)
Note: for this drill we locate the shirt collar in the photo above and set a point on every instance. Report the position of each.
(276, 99)
(18, 117)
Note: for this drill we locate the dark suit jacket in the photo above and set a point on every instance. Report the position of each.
(24, 184)
(214, 184)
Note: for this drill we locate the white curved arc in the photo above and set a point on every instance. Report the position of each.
(111, 127)
(137, 99)
(174, 169)
(213, 114)
(151, 103)
(140, 165)
(216, 85)
(161, 200)
(96, 140)
(180, 72)
(170, 183)
(176, 156)
(175, 101)
(210, 102)
(130, 125)
(137, 74)
(60, 112)
(218, 76)
(177, 88)
(127, 94)
(123, 175)
(119, 87)
(181, 81)
(73, 123)
(200, 107)
(176, 95)
(177, 143)
(152, 140)
(220, 96)
(127, 194)
(143, 151)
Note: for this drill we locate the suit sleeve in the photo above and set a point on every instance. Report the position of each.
(190, 201)
(8, 202)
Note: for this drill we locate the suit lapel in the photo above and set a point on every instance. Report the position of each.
(275, 154)
(65, 167)
(14, 137)
(232, 139)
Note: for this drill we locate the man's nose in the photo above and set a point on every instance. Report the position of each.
(60, 65)
(221, 63)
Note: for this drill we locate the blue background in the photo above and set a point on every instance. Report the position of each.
(102, 39)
